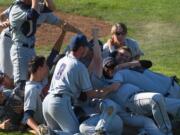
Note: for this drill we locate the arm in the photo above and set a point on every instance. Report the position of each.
(101, 93)
(128, 65)
(136, 63)
(68, 27)
(96, 63)
(4, 15)
(35, 4)
(4, 22)
(59, 42)
(56, 49)
(50, 4)
(32, 124)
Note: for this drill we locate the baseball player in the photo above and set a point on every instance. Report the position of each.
(32, 98)
(46, 15)
(23, 18)
(119, 39)
(69, 79)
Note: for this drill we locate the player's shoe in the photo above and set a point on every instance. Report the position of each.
(44, 130)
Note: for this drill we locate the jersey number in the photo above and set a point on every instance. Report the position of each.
(61, 69)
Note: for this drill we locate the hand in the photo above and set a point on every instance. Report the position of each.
(5, 24)
(110, 42)
(5, 124)
(115, 86)
(135, 63)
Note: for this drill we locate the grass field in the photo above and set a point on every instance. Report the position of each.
(154, 23)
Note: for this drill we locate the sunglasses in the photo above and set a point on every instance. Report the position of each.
(119, 33)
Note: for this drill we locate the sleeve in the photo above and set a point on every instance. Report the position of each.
(6, 12)
(106, 50)
(137, 50)
(30, 99)
(84, 79)
(51, 58)
(32, 14)
(52, 19)
(118, 77)
(27, 115)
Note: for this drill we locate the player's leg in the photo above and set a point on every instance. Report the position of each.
(5, 46)
(108, 110)
(51, 123)
(173, 106)
(88, 126)
(141, 122)
(60, 110)
(153, 103)
(20, 56)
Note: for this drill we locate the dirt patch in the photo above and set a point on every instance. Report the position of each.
(47, 34)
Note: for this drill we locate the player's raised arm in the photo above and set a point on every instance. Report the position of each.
(68, 27)
(96, 63)
(50, 4)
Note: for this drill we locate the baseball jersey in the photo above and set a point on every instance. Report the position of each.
(129, 42)
(70, 77)
(148, 80)
(32, 99)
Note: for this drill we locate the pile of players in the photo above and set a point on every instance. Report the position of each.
(88, 89)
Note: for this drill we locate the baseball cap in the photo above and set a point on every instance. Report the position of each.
(79, 40)
(109, 62)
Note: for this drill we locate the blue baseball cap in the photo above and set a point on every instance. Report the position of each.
(79, 40)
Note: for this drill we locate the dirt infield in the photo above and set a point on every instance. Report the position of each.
(47, 34)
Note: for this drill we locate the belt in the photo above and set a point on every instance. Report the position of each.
(6, 35)
(58, 95)
(28, 46)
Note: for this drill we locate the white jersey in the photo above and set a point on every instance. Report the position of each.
(148, 80)
(70, 77)
(32, 99)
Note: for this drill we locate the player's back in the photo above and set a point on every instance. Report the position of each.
(66, 77)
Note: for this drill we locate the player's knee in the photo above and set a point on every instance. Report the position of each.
(108, 104)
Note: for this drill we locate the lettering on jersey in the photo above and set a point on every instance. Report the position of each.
(61, 69)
